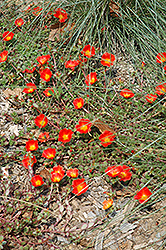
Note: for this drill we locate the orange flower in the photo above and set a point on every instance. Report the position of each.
(161, 57)
(113, 171)
(58, 169)
(72, 172)
(78, 103)
(143, 195)
(31, 145)
(107, 203)
(43, 59)
(37, 181)
(161, 89)
(61, 14)
(83, 126)
(3, 56)
(125, 174)
(91, 78)
(88, 51)
(48, 92)
(56, 177)
(7, 35)
(71, 64)
(150, 98)
(43, 137)
(126, 93)
(79, 186)
(107, 59)
(106, 138)
(28, 161)
(143, 64)
(19, 22)
(41, 121)
(57, 174)
(31, 87)
(46, 74)
(65, 135)
(49, 153)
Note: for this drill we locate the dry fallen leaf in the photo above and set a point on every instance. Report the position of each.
(28, 214)
(45, 174)
(102, 126)
(59, 29)
(114, 9)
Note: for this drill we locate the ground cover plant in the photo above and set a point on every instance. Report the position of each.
(85, 85)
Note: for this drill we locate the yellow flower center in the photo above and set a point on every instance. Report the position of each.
(42, 60)
(84, 128)
(163, 89)
(144, 197)
(92, 80)
(107, 60)
(122, 174)
(88, 53)
(3, 57)
(65, 137)
(38, 183)
(79, 104)
(107, 139)
(50, 156)
(73, 175)
(60, 16)
(114, 173)
(30, 90)
(42, 123)
(32, 147)
(126, 95)
(79, 188)
(163, 59)
(47, 76)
